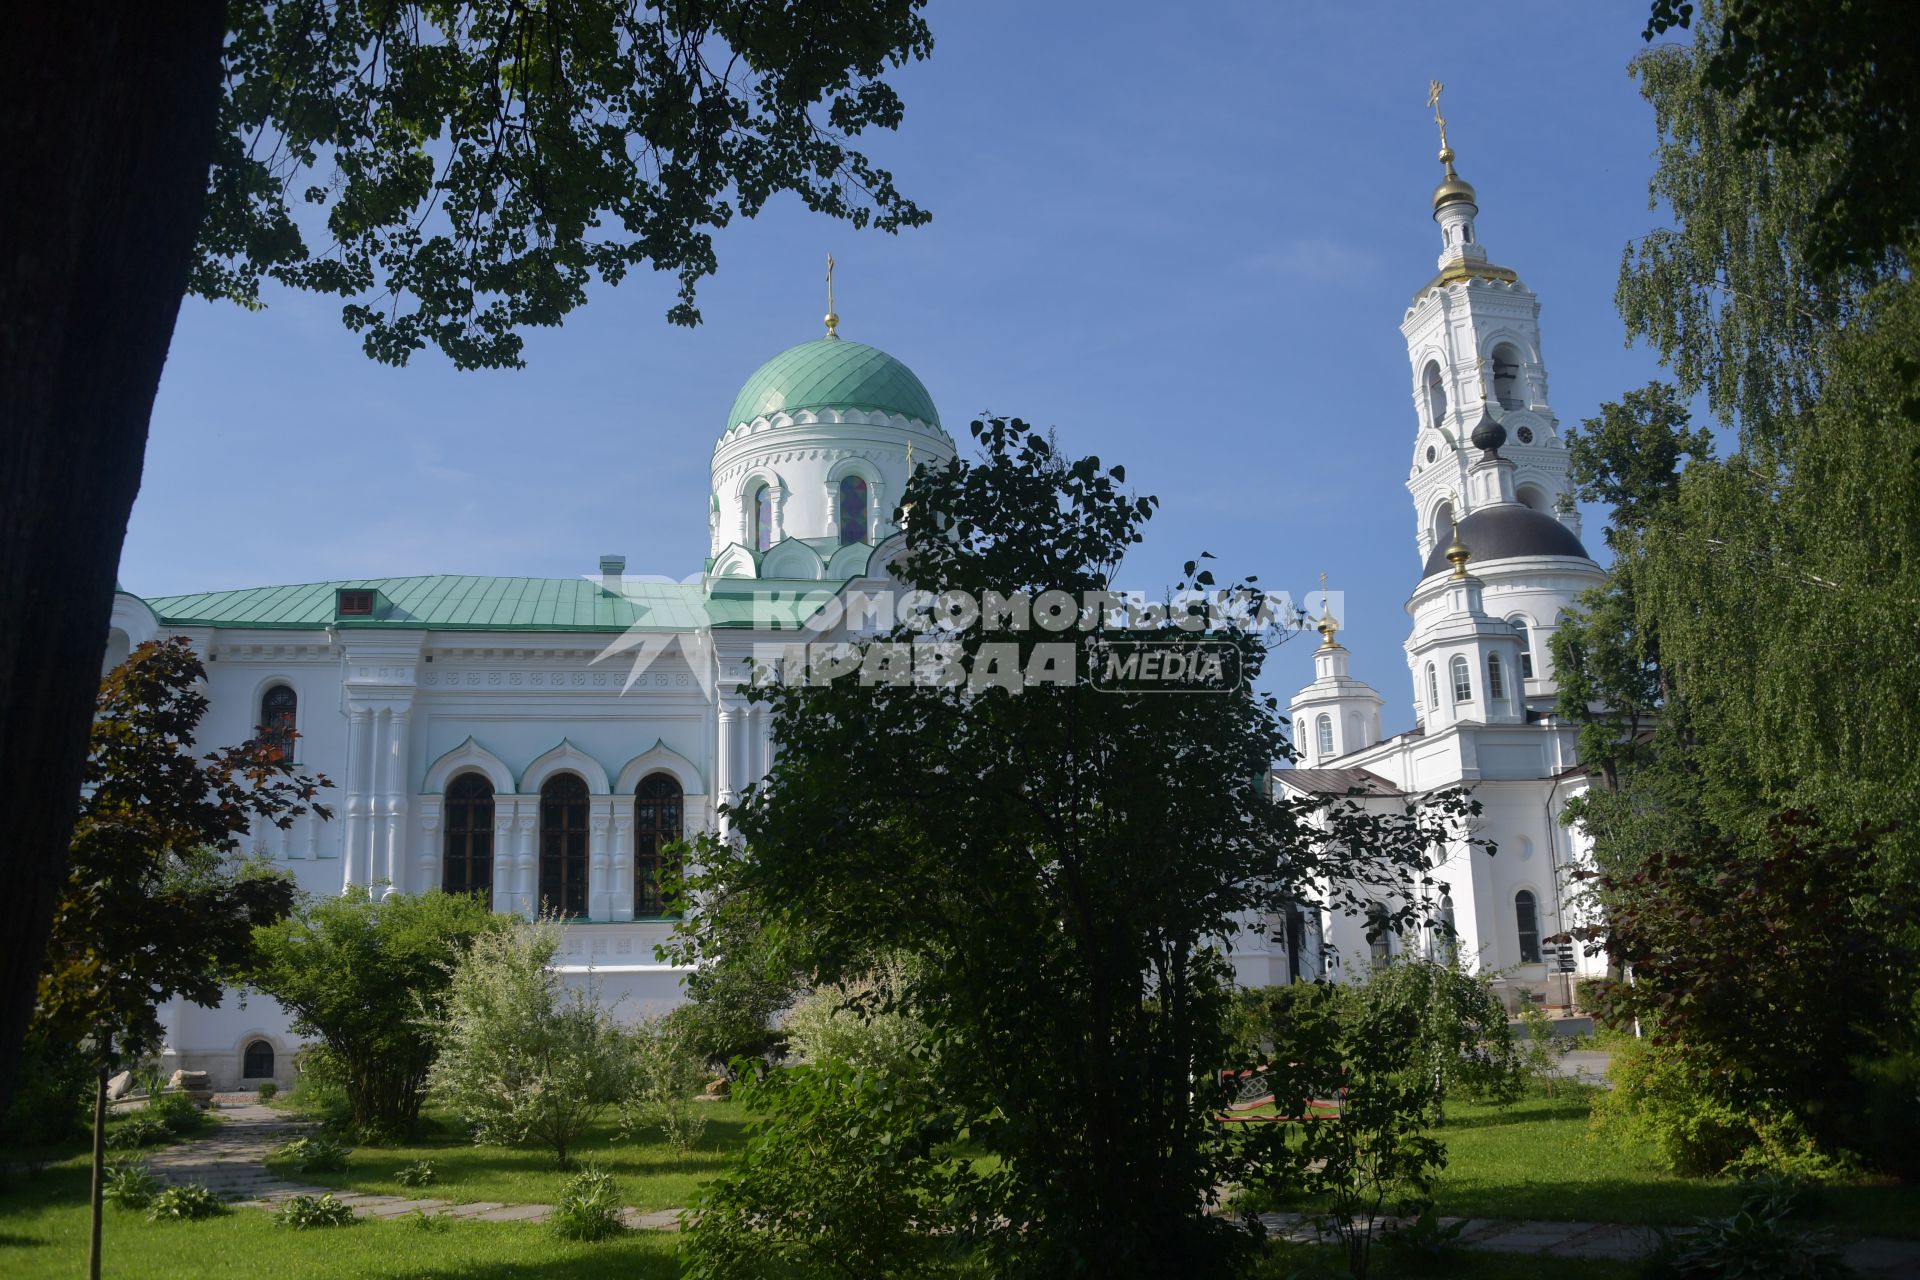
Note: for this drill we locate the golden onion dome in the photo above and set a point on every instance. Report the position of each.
(1454, 189)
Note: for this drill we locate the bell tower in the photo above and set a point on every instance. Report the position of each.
(1473, 344)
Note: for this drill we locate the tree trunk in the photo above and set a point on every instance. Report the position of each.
(99, 1168)
(107, 122)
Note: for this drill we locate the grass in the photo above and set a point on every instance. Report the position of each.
(1537, 1160)
(651, 1174)
(1285, 1261)
(43, 1232)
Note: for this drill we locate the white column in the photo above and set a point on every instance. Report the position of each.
(526, 881)
(728, 761)
(427, 849)
(358, 803)
(394, 761)
(503, 860)
(599, 870)
(622, 889)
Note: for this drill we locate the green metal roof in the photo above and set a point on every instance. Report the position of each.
(832, 373)
(458, 602)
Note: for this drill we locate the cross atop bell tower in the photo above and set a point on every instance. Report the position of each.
(1473, 341)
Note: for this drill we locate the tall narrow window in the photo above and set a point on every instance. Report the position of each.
(853, 510)
(1506, 377)
(1496, 686)
(1379, 936)
(1296, 927)
(466, 860)
(279, 708)
(1526, 647)
(1436, 394)
(657, 808)
(1323, 734)
(1433, 688)
(563, 845)
(1462, 679)
(1526, 915)
(762, 518)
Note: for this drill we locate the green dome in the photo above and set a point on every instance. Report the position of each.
(832, 373)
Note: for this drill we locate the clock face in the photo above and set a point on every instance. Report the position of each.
(1526, 435)
(1432, 453)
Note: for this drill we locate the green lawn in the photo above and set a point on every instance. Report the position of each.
(1290, 1260)
(652, 1175)
(1536, 1160)
(43, 1232)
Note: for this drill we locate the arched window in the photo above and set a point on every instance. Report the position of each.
(1448, 930)
(1496, 686)
(657, 807)
(1506, 377)
(1462, 679)
(762, 517)
(1379, 935)
(853, 510)
(466, 858)
(1442, 530)
(1433, 689)
(1296, 928)
(257, 1062)
(1532, 497)
(279, 708)
(1323, 734)
(1519, 626)
(1436, 394)
(563, 845)
(1526, 915)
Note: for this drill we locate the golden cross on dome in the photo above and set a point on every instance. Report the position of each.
(1327, 626)
(1434, 90)
(833, 321)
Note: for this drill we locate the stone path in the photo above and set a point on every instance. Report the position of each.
(1872, 1256)
(231, 1163)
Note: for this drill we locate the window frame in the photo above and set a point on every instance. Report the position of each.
(280, 726)
(1460, 675)
(1496, 685)
(461, 843)
(843, 486)
(564, 863)
(648, 863)
(1528, 938)
(1323, 734)
(760, 516)
(247, 1059)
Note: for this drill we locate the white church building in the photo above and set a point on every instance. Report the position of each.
(489, 734)
(1499, 542)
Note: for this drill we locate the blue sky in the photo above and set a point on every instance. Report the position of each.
(1183, 236)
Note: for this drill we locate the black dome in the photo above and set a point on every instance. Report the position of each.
(1506, 531)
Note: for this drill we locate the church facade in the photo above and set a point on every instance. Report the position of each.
(539, 741)
(1498, 539)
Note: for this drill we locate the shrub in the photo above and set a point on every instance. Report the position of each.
(187, 1203)
(421, 1220)
(420, 1173)
(138, 1130)
(846, 1172)
(1542, 1052)
(268, 1089)
(668, 1073)
(177, 1112)
(521, 1058)
(1373, 1152)
(305, 1212)
(354, 973)
(1659, 1099)
(130, 1184)
(589, 1207)
(53, 1094)
(862, 1023)
(1462, 1033)
(316, 1154)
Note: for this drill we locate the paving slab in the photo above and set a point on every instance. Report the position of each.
(516, 1213)
(473, 1210)
(403, 1207)
(655, 1220)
